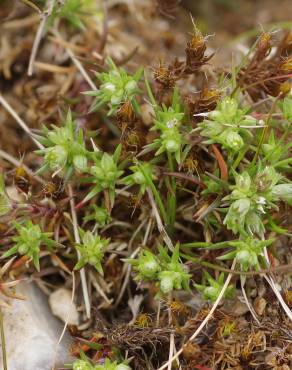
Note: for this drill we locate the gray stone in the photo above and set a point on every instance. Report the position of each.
(32, 333)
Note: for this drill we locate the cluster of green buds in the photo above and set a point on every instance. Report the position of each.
(99, 215)
(211, 288)
(91, 250)
(248, 252)
(249, 200)
(142, 172)
(5, 205)
(64, 148)
(168, 272)
(228, 125)
(168, 121)
(117, 86)
(85, 364)
(28, 242)
(104, 174)
(275, 150)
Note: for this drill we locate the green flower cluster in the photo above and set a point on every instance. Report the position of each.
(84, 364)
(104, 174)
(91, 250)
(250, 199)
(211, 288)
(28, 242)
(116, 87)
(168, 272)
(168, 121)
(100, 215)
(228, 125)
(248, 252)
(142, 172)
(64, 148)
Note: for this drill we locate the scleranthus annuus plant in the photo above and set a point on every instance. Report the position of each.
(65, 150)
(104, 173)
(91, 250)
(85, 364)
(211, 288)
(252, 197)
(167, 271)
(142, 172)
(249, 252)
(116, 87)
(228, 125)
(168, 121)
(209, 179)
(28, 241)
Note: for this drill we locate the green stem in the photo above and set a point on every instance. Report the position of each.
(207, 245)
(156, 195)
(149, 91)
(265, 130)
(240, 156)
(172, 194)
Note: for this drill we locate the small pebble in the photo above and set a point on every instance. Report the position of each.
(260, 305)
(62, 306)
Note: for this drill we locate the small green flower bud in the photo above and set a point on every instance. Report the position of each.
(80, 162)
(211, 293)
(229, 107)
(283, 192)
(243, 256)
(216, 115)
(234, 140)
(243, 182)
(117, 97)
(172, 146)
(166, 281)
(23, 249)
(131, 86)
(122, 367)
(56, 157)
(82, 365)
(139, 178)
(147, 265)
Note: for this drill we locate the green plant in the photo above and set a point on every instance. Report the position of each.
(251, 197)
(64, 149)
(168, 121)
(104, 174)
(91, 250)
(228, 125)
(100, 215)
(85, 364)
(168, 272)
(117, 86)
(28, 241)
(147, 265)
(248, 252)
(211, 288)
(141, 173)
(112, 365)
